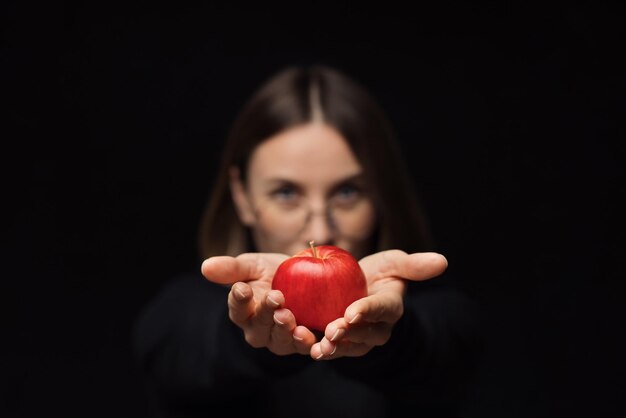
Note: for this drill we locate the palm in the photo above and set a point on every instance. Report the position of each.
(369, 321)
(380, 274)
(254, 306)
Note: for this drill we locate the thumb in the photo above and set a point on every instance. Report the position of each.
(244, 267)
(420, 266)
(221, 269)
(398, 264)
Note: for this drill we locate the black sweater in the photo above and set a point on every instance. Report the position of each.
(196, 362)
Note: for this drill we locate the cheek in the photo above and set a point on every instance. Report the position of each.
(360, 224)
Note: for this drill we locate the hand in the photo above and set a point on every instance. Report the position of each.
(254, 307)
(368, 322)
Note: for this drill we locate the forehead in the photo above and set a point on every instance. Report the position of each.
(305, 153)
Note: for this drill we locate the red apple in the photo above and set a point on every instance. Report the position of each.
(319, 283)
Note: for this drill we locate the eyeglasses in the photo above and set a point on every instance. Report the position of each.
(287, 213)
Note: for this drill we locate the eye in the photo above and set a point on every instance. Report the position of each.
(346, 195)
(286, 195)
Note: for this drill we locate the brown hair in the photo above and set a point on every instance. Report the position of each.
(296, 96)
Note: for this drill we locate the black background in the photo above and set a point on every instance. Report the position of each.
(512, 118)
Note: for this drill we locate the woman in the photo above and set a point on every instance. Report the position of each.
(311, 157)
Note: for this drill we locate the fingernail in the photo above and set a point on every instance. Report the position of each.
(239, 294)
(277, 321)
(272, 301)
(355, 319)
(295, 337)
(333, 352)
(338, 334)
(320, 356)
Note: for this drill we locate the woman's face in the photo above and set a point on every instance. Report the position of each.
(305, 184)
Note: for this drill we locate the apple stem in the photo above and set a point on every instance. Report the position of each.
(313, 249)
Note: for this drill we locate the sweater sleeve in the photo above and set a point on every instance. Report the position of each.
(191, 353)
(434, 349)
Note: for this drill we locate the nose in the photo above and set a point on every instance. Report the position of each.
(320, 229)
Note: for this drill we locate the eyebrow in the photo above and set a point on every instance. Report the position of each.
(358, 178)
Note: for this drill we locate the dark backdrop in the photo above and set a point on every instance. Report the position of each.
(511, 118)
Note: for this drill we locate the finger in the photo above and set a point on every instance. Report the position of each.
(327, 347)
(398, 264)
(303, 339)
(329, 351)
(373, 334)
(258, 325)
(241, 305)
(281, 340)
(317, 351)
(272, 300)
(222, 269)
(248, 266)
(336, 330)
(385, 307)
(282, 331)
